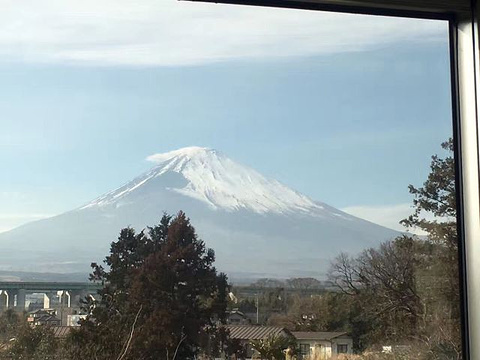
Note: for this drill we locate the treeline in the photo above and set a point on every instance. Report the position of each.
(299, 283)
(402, 293)
(19, 341)
(405, 292)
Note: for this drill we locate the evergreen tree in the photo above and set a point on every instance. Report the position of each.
(437, 197)
(38, 343)
(435, 213)
(9, 322)
(161, 295)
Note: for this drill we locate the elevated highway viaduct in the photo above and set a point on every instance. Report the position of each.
(13, 294)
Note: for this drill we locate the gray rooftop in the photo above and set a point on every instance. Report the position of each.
(255, 332)
(317, 335)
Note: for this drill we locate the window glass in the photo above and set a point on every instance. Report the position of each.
(305, 349)
(198, 181)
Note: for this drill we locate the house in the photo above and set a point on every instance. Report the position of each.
(43, 317)
(237, 317)
(397, 349)
(244, 334)
(311, 344)
(74, 320)
(323, 345)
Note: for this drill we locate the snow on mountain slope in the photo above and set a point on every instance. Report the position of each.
(257, 226)
(219, 182)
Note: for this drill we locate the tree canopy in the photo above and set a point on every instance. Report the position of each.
(407, 289)
(437, 200)
(161, 296)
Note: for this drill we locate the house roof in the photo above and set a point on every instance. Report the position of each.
(237, 312)
(255, 332)
(46, 318)
(61, 331)
(317, 335)
(41, 312)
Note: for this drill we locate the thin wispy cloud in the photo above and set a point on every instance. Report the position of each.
(11, 221)
(172, 33)
(386, 215)
(24, 216)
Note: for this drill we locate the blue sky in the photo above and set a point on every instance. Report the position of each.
(347, 115)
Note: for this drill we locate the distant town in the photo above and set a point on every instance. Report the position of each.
(58, 306)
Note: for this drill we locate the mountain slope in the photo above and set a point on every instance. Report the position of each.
(257, 226)
(221, 183)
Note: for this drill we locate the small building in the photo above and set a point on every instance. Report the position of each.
(46, 317)
(323, 345)
(74, 320)
(237, 317)
(244, 334)
(397, 349)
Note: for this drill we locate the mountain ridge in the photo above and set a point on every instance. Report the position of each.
(257, 226)
(214, 183)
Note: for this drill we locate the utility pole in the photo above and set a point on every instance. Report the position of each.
(256, 298)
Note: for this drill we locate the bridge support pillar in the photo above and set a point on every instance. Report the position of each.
(3, 300)
(11, 299)
(65, 306)
(76, 296)
(21, 300)
(48, 300)
(65, 298)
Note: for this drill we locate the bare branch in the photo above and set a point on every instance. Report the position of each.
(178, 346)
(129, 340)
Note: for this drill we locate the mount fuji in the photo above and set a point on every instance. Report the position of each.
(257, 226)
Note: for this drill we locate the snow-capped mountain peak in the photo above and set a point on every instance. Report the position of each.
(249, 220)
(215, 179)
(186, 152)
